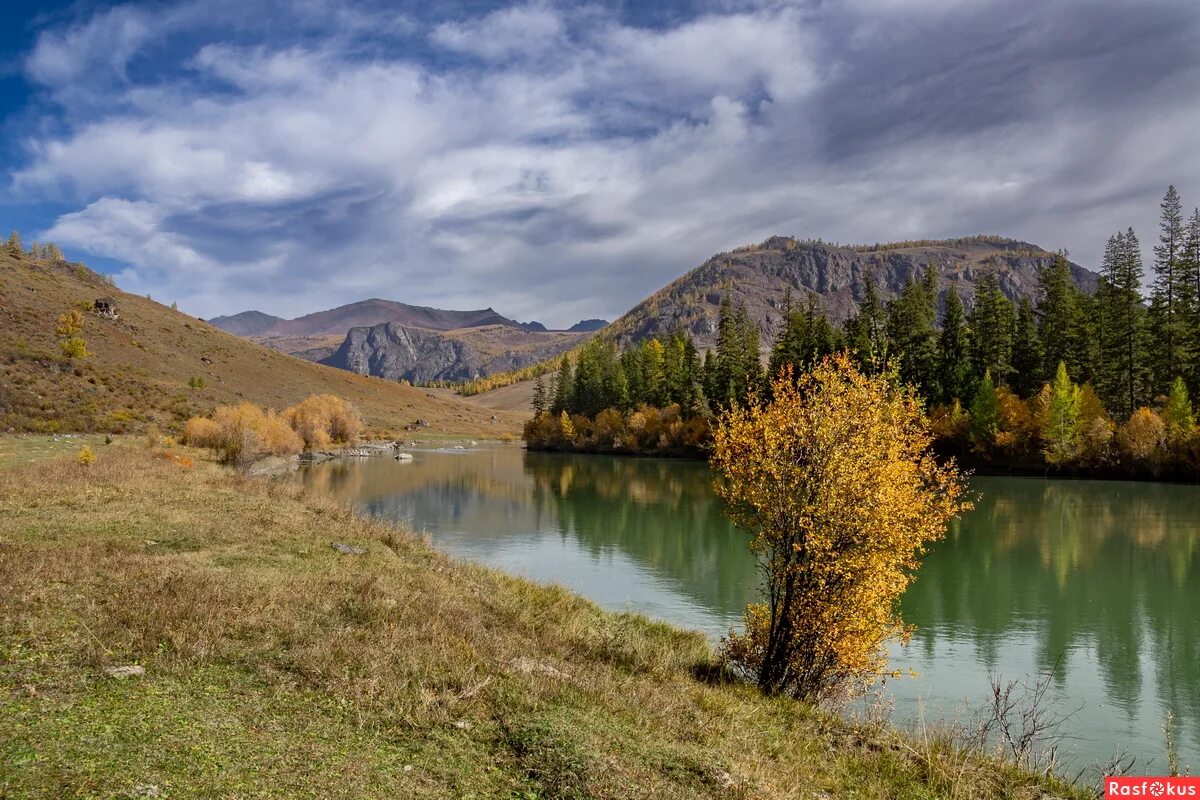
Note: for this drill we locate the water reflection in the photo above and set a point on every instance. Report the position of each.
(1097, 581)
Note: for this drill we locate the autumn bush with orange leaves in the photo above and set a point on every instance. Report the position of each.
(324, 419)
(244, 433)
(834, 478)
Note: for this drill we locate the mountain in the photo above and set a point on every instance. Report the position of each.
(588, 326)
(152, 364)
(401, 352)
(247, 323)
(397, 341)
(365, 313)
(758, 276)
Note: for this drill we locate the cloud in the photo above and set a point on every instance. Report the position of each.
(106, 41)
(520, 30)
(559, 162)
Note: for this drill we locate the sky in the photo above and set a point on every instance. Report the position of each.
(560, 161)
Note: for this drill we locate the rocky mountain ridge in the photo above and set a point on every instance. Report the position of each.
(759, 275)
(401, 352)
(398, 341)
(338, 321)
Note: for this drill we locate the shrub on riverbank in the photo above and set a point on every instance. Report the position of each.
(644, 431)
(834, 480)
(244, 433)
(324, 419)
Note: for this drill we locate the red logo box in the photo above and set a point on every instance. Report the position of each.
(1151, 787)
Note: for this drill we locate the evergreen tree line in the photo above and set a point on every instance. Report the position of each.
(48, 250)
(1056, 371)
(658, 372)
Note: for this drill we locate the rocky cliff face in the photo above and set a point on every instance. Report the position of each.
(398, 352)
(759, 275)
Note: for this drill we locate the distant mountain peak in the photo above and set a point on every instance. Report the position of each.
(588, 326)
(363, 313)
(247, 323)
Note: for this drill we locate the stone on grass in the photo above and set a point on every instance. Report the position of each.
(129, 671)
(348, 549)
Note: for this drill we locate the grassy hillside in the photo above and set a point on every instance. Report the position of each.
(143, 363)
(511, 397)
(276, 667)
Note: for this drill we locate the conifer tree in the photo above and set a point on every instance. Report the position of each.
(1084, 353)
(1122, 320)
(726, 367)
(654, 378)
(1027, 352)
(991, 329)
(631, 364)
(911, 330)
(750, 377)
(13, 246)
(564, 388)
(985, 413)
(614, 385)
(1189, 302)
(585, 387)
(954, 352)
(710, 377)
(692, 400)
(539, 396)
(1178, 415)
(1056, 313)
(805, 338)
(866, 335)
(1060, 433)
(1165, 316)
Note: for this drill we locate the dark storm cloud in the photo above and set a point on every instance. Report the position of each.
(559, 162)
(996, 64)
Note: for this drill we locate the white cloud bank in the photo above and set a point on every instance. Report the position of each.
(559, 163)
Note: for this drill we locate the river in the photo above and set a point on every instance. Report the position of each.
(1097, 582)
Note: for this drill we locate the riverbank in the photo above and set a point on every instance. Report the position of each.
(278, 665)
(546, 435)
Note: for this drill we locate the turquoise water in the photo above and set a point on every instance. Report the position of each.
(1096, 582)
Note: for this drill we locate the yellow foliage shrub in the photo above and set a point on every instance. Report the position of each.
(607, 428)
(243, 433)
(835, 481)
(1143, 434)
(324, 419)
(202, 432)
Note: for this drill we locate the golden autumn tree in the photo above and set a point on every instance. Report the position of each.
(69, 326)
(835, 480)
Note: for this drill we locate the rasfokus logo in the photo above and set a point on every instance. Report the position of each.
(1151, 787)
